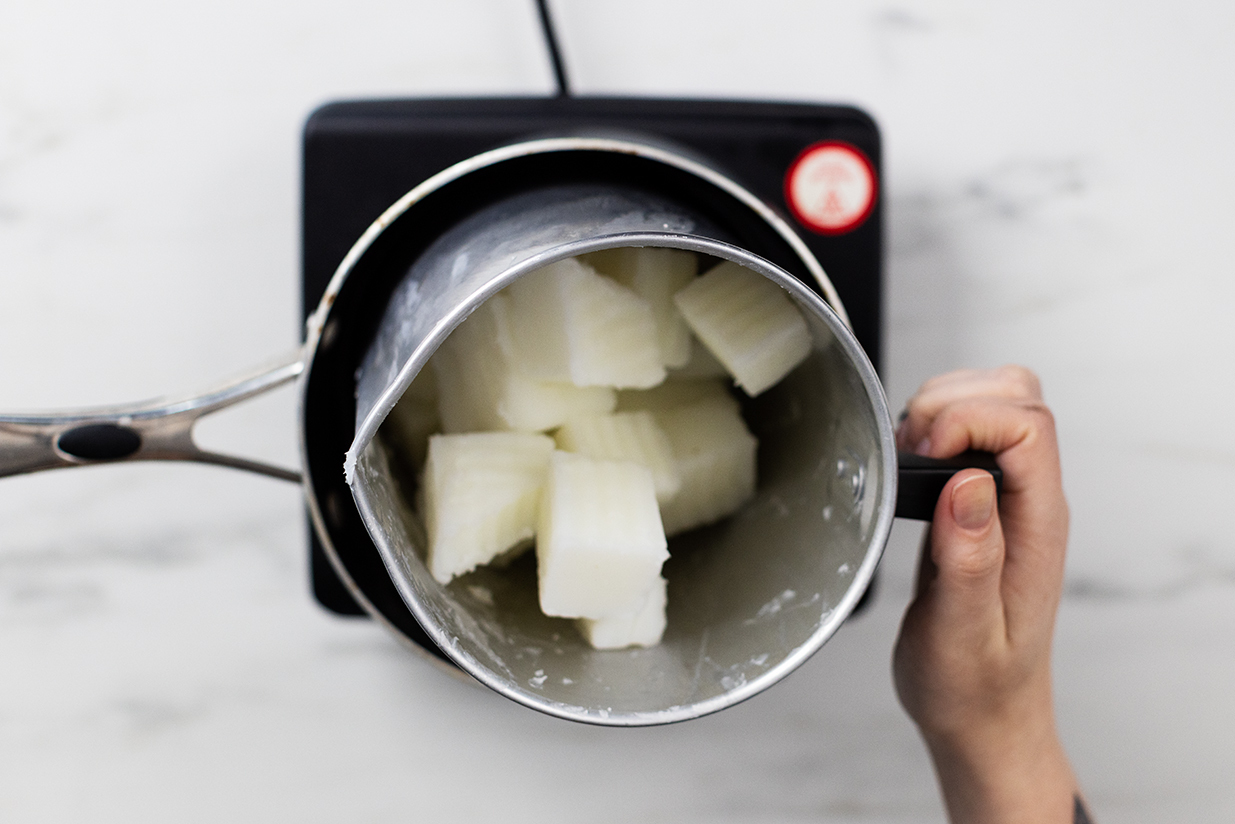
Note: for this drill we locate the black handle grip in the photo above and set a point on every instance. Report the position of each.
(920, 480)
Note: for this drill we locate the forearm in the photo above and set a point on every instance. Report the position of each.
(1024, 776)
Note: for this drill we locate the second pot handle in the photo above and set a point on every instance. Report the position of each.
(921, 480)
(160, 430)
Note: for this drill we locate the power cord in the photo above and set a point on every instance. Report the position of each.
(555, 55)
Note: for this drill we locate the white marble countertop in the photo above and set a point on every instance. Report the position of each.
(1060, 191)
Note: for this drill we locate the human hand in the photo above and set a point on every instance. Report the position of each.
(972, 663)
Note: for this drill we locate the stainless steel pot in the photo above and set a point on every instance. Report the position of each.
(750, 599)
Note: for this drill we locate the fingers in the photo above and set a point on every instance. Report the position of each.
(1012, 380)
(1012, 383)
(1020, 433)
(1001, 411)
(998, 411)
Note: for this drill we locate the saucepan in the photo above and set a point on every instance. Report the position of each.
(749, 598)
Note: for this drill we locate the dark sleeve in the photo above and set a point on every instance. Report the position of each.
(1079, 814)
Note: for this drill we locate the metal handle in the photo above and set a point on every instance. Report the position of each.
(921, 480)
(157, 430)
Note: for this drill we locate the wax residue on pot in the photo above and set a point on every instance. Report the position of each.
(784, 601)
(774, 606)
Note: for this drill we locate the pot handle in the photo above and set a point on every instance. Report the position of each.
(157, 430)
(920, 480)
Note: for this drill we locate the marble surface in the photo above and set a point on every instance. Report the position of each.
(1060, 191)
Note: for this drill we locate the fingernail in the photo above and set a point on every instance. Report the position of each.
(924, 447)
(973, 502)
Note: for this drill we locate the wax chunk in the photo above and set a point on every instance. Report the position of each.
(481, 389)
(655, 274)
(570, 324)
(640, 626)
(481, 496)
(624, 436)
(599, 544)
(749, 324)
(715, 456)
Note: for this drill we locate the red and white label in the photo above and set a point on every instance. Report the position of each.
(830, 188)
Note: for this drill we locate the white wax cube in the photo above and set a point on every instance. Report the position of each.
(532, 406)
(715, 456)
(624, 436)
(599, 544)
(748, 322)
(655, 274)
(570, 324)
(481, 496)
(640, 626)
(481, 389)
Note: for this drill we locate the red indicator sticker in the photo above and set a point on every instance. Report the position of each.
(830, 187)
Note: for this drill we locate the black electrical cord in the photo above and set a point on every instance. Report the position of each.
(555, 55)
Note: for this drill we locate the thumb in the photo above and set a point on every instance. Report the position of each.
(967, 549)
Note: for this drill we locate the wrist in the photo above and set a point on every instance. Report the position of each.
(1002, 773)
